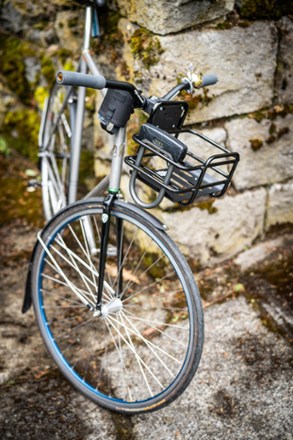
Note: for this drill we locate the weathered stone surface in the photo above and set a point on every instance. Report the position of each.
(244, 60)
(280, 204)
(266, 151)
(233, 224)
(204, 149)
(164, 16)
(285, 62)
(227, 400)
(260, 252)
(198, 146)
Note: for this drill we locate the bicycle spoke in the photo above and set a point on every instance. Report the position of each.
(143, 273)
(73, 329)
(140, 362)
(148, 287)
(119, 350)
(143, 339)
(50, 292)
(87, 252)
(73, 264)
(148, 323)
(91, 268)
(149, 345)
(72, 286)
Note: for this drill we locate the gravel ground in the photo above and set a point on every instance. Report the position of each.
(242, 390)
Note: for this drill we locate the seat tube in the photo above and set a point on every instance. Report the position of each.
(117, 161)
(77, 134)
(76, 144)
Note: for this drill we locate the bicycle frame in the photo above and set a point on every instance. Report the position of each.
(86, 64)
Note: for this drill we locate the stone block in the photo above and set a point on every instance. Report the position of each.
(213, 235)
(202, 148)
(284, 81)
(260, 252)
(265, 148)
(69, 29)
(280, 204)
(244, 60)
(165, 16)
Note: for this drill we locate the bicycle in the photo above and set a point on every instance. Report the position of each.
(61, 127)
(124, 321)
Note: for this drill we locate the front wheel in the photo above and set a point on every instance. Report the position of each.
(142, 351)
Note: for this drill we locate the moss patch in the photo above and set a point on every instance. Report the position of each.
(256, 144)
(40, 95)
(196, 101)
(20, 131)
(48, 69)
(207, 205)
(146, 47)
(13, 51)
(272, 114)
(264, 9)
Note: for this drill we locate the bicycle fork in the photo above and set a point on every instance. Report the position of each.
(114, 188)
(115, 304)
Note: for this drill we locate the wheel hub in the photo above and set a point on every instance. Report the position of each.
(110, 308)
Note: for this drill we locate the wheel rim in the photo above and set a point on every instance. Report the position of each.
(146, 343)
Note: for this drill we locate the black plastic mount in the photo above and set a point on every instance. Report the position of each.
(115, 110)
(169, 115)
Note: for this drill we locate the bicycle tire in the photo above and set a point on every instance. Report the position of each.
(158, 329)
(55, 149)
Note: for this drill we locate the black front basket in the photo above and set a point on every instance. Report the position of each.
(180, 180)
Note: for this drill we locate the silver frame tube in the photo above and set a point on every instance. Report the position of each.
(113, 182)
(117, 160)
(76, 144)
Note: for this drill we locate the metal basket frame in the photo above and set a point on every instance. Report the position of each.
(185, 181)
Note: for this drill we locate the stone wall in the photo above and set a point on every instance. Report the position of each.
(248, 44)
(249, 110)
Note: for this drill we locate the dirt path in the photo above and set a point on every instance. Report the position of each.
(243, 388)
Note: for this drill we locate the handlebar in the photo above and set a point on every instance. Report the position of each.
(209, 80)
(68, 78)
(99, 82)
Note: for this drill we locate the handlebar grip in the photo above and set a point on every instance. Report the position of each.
(208, 80)
(68, 78)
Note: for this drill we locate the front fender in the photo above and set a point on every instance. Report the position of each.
(27, 300)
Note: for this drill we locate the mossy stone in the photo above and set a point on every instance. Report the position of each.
(20, 130)
(13, 51)
(256, 144)
(48, 69)
(146, 47)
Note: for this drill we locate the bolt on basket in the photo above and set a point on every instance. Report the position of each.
(164, 163)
